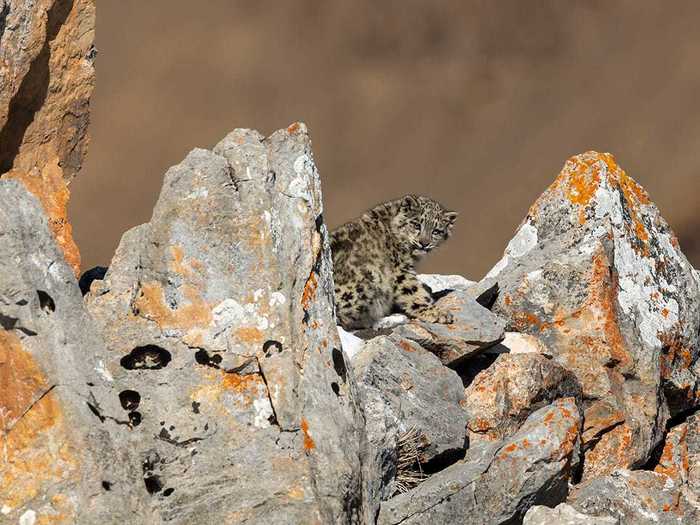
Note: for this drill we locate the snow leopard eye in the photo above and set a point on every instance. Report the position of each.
(437, 232)
(416, 225)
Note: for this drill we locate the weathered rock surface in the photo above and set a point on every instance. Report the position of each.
(442, 283)
(501, 397)
(61, 460)
(564, 514)
(46, 79)
(497, 483)
(219, 322)
(405, 388)
(474, 329)
(597, 274)
(639, 497)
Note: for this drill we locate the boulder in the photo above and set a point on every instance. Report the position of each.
(47, 54)
(405, 389)
(498, 482)
(222, 345)
(596, 273)
(564, 514)
(501, 397)
(474, 329)
(444, 283)
(62, 459)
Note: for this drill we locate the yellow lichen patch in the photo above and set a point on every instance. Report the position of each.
(151, 304)
(176, 264)
(35, 451)
(308, 441)
(249, 335)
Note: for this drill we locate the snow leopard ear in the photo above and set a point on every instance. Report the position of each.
(409, 203)
(451, 217)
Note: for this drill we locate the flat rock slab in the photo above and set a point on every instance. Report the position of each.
(475, 328)
(498, 482)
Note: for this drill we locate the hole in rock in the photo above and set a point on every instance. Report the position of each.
(94, 274)
(46, 301)
(203, 358)
(444, 460)
(319, 222)
(149, 357)
(167, 492)
(270, 346)
(336, 388)
(195, 407)
(129, 399)
(153, 484)
(107, 485)
(135, 419)
(339, 364)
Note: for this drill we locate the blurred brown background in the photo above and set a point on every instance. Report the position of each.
(475, 103)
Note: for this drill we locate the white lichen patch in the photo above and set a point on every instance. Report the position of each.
(28, 518)
(6, 510)
(197, 193)
(102, 370)
(524, 241)
(263, 411)
(438, 283)
(277, 298)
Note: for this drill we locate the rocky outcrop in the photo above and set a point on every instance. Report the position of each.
(597, 274)
(46, 79)
(218, 319)
(202, 378)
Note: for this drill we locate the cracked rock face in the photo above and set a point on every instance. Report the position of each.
(222, 344)
(46, 79)
(59, 462)
(596, 273)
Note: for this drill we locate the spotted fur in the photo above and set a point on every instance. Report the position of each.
(374, 260)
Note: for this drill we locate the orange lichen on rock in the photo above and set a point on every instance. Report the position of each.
(406, 346)
(309, 291)
(151, 305)
(612, 451)
(674, 461)
(35, 450)
(308, 441)
(49, 186)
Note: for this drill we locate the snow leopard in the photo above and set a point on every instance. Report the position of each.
(374, 260)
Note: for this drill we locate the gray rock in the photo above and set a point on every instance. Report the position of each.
(498, 483)
(639, 497)
(219, 314)
(60, 458)
(474, 329)
(596, 273)
(564, 514)
(501, 397)
(442, 283)
(404, 387)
